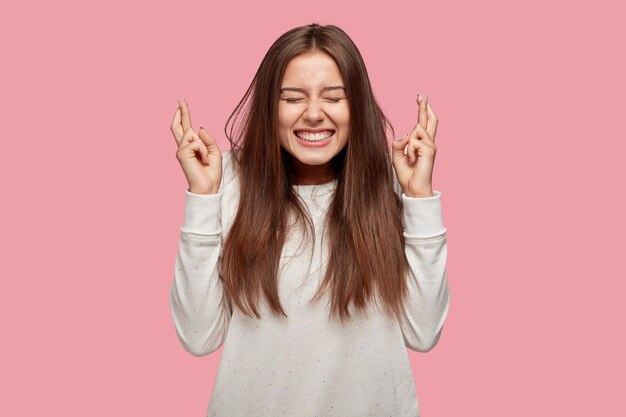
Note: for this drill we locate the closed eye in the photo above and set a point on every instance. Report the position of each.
(297, 100)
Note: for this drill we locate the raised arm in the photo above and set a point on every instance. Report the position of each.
(427, 304)
(200, 309)
(426, 248)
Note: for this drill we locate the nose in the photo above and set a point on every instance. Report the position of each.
(313, 110)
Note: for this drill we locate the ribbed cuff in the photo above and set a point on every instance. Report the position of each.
(422, 216)
(202, 213)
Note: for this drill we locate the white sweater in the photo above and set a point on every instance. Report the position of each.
(305, 365)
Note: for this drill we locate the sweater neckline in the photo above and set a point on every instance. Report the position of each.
(314, 190)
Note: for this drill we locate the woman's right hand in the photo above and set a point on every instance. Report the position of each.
(198, 153)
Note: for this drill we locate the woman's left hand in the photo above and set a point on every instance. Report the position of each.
(415, 168)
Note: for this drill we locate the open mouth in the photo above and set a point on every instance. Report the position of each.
(317, 137)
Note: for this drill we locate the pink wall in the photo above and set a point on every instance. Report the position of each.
(530, 163)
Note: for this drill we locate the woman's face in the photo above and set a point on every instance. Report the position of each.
(313, 99)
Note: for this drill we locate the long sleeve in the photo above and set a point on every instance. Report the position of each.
(200, 309)
(427, 305)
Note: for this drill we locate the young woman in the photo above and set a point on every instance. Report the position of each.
(311, 251)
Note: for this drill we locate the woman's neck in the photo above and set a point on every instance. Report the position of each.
(312, 174)
(303, 174)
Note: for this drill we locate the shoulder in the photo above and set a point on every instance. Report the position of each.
(230, 189)
(229, 171)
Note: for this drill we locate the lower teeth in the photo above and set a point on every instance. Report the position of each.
(318, 140)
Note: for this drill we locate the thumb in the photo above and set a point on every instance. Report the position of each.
(209, 141)
(399, 145)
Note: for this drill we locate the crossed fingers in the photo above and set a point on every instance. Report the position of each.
(426, 119)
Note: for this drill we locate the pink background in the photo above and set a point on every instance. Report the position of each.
(530, 163)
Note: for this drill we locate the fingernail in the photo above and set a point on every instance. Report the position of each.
(419, 98)
(201, 128)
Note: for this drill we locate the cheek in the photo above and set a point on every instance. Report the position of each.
(342, 117)
(282, 118)
(288, 116)
(344, 124)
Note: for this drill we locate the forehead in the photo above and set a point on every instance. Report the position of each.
(312, 71)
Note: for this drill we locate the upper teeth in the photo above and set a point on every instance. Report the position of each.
(314, 136)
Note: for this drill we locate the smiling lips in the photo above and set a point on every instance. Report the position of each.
(314, 135)
(315, 138)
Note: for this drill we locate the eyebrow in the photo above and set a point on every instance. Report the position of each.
(300, 90)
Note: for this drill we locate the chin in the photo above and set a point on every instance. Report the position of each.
(314, 157)
(312, 161)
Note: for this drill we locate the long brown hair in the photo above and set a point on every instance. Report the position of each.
(364, 221)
